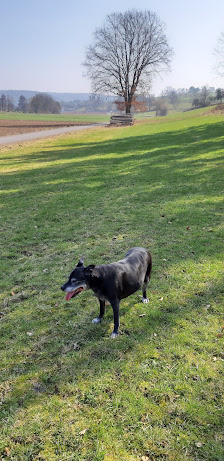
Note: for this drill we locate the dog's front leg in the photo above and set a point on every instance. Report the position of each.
(102, 311)
(115, 305)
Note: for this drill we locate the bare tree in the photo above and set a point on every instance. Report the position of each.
(204, 96)
(219, 54)
(9, 104)
(3, 103)
(126, 52)
(171, 95)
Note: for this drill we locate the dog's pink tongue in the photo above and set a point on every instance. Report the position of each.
(69, 295)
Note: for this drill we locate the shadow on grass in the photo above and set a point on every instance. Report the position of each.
(162, 188)
(159, 159)
(150, 179)
(72, 348)
(189, 141)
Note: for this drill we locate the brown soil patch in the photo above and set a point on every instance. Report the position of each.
(218, 109)
(10, 127)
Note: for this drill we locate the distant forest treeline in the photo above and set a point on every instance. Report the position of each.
(170, 99)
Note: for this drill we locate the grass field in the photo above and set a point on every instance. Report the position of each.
(68, 391)
(94, 118)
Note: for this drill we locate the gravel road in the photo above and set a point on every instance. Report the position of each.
(12, 139)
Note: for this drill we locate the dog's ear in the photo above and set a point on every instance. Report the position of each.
(80, 263)
(89, 269)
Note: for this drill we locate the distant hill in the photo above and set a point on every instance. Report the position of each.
(60, 97)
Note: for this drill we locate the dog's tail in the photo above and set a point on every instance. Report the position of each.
(147, 279)
(149, 268)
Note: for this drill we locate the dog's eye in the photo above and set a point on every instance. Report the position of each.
(73, 280)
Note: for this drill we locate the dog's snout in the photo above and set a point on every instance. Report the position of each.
(63, 287)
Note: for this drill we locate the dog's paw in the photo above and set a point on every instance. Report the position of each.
(145, 300)
(114, 335)
(97, 320)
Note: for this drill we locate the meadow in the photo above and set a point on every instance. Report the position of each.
(68, 391)
(94, 118)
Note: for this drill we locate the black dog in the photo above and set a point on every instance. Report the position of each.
(112, 282)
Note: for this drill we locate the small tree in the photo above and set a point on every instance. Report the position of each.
(196, 103)
(173, 98)
(171, 95)
(219, 94)
(3, 103)
(204, 96)
(127, 50)
(161, 108)
(10, 104)
(22, 104)
(203, 100)
(44, 104)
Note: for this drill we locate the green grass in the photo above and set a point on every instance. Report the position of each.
(68, 391)
(94, 118)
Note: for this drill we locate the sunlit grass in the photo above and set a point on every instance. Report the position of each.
(68, 391)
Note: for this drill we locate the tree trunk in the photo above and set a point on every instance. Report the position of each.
(128, 103)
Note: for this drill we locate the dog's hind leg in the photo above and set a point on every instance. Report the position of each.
(102, 311)
(144, 295)
(145, 283)
(115, 306)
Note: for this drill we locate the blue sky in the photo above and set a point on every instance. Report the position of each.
(43, 42)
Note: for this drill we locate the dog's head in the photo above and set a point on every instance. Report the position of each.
(78, 280)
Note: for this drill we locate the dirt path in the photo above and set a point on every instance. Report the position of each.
(16, 138)
(9, 127)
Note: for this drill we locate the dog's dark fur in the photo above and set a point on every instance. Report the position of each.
(112, 282)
